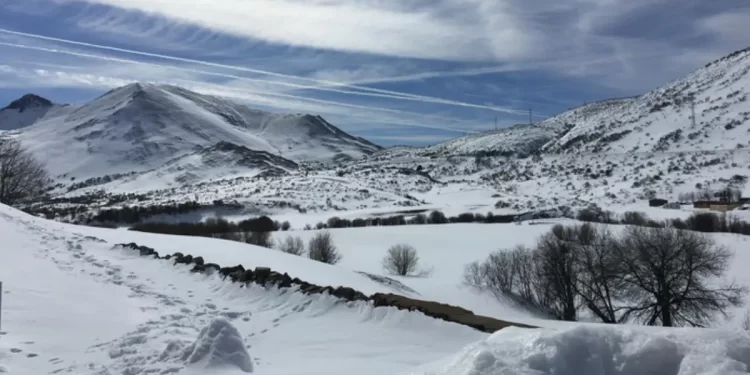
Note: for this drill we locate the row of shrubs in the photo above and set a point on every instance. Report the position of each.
(706, 222)
(434, 217)
(648, 275)
(214, 226)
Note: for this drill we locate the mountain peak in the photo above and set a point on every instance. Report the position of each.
(29, 101)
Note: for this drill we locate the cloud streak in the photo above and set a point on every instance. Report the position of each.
(323, 84)
(416, 29)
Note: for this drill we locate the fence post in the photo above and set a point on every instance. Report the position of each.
(1, 305)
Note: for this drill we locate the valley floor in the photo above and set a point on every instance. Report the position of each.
(74, 303)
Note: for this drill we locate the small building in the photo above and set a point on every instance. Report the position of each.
(656, 202)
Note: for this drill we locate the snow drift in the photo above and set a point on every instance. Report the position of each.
(219, 344)
(604, 350)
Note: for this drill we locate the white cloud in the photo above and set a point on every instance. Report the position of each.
(366, 26)
(323, 85)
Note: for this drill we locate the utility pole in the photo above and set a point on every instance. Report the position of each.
(530, 122)
(495, 123)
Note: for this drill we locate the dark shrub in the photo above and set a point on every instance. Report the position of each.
(358, 223)
(466, 217)
(437, 217)
(704, 222)
(634, 218)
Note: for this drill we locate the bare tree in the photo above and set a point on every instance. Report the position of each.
(259, 239)
(292, 245)
(668, 275)
(402, 260)
(510, 274)
(22, 177)
(600, 282)
(322, 249)
(556, 259)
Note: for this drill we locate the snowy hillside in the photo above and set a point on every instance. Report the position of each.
(662, 120)
(95, 308)
(139, 127)
(223, 160)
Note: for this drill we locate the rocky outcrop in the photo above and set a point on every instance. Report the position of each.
(267, 277)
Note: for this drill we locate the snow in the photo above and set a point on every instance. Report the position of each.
(89, 307)
(585, 350)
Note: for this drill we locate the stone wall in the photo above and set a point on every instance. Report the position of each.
(267, 277)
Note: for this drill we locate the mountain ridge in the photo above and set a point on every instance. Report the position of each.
(140, 126)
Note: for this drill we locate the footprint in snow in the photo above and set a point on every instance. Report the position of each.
(32, 355)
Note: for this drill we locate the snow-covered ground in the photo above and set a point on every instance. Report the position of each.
(73, 303)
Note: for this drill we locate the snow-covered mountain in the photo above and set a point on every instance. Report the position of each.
(658, 121)
(24, 111)
(662, 120)
(139, 127)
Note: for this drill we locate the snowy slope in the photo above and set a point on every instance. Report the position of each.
(141, 126)
(91, 308)
(223, 160)
(662, 120)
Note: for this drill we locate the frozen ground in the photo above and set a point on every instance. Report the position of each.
(74, 304)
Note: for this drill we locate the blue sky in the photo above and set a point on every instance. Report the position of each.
(393, 71)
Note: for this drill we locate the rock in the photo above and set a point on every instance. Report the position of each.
(145, 251)
(198, 260)
(359, 296)
(285, 281)
(247, 276)
(261, 274)
(344, 292)
(228, 271)
(212, 267)
(187, 259)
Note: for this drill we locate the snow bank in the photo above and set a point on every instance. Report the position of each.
(219, 344)
(589, 350)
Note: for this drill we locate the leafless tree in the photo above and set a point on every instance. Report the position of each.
(401, 260)
(668, 275)
(262, 239)
(322, 249)
(512, 274)
(292, 245)
(22, 177)
(600, 281)
(556, 256)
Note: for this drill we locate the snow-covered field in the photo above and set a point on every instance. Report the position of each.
(73, 303)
